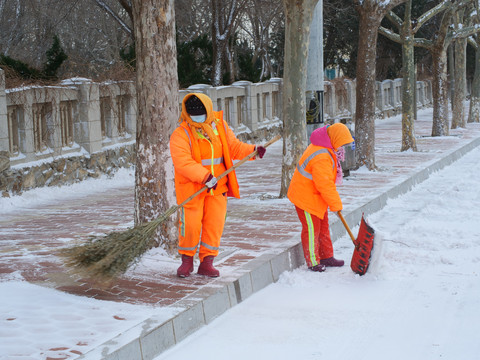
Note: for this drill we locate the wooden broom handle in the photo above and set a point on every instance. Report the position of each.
(228, 171)
(339, 213)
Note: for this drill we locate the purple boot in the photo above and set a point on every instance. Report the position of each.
(187, 266)
(331, 261)
(318, 268)
(206, 267)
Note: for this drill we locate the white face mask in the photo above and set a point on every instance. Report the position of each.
(198, 118)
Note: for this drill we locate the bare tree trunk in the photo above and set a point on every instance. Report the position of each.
(157, 112)
(218, 44)
(474, 113)
(371, 13)
(223, 20)
(408, 82)
(451, 72)
(365, 90)
(438, 49)
(406, 37)
(230, 64)
(458, 106)
(298, 17)
(438, 46)
(440, 92)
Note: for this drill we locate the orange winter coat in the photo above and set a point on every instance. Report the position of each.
(312, 187)
(195, 156)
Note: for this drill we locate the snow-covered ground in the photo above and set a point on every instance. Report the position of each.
(419, 299)
(42, 323)
(42, 196)
(39, 323)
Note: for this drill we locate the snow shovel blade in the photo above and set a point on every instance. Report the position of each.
(363, 248)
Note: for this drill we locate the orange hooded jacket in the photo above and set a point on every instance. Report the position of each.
(312, 187)
(189, 150)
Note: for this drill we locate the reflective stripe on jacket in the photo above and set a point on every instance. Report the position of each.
(194, 159)
(312, 187)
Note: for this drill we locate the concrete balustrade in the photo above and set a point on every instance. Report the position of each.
(81, 117)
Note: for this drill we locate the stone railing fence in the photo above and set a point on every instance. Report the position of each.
(79, 129)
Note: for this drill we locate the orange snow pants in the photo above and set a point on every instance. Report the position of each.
(316, 241)
(201, 225)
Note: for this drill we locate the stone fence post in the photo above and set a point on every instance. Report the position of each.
(428, 92)
(131, 111)
(251, 113)
(397, 92)
(277, 99)
(329, 100)
(88, 128)
(351, 103)
(4, 137)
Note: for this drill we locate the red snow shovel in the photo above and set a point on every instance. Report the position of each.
(363, 245)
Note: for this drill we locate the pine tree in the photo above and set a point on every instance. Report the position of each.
(55, 57)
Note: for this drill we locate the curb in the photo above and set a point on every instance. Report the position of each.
(150, 338)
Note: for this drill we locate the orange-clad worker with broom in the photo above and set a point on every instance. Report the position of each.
(313, 190)
(203, 147)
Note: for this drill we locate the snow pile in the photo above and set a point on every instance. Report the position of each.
(50, 323)
(41, 196)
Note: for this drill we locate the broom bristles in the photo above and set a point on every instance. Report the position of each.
(105, 257)
(111, 255)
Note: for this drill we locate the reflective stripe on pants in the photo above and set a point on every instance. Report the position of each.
(316, 241)
(202, 225)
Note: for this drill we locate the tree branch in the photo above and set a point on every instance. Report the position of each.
(423, 43)
(127, 5)
(465, 32)
(431, 13)
(473, 43)
(389, 34)
(109, 11)
(395, 19)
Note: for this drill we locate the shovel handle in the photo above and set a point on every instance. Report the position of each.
(339, 213)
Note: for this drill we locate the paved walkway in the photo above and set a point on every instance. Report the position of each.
(259, 226)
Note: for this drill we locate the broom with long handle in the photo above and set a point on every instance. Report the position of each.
(108, 256)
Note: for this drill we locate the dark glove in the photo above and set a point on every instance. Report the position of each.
(260, 150)
(211, 182)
